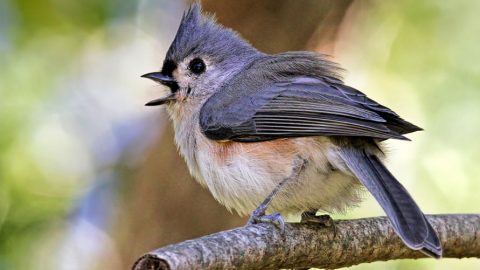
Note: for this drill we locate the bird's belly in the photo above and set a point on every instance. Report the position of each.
(241, 175)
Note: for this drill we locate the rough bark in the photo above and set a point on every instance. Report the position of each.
(352, 242)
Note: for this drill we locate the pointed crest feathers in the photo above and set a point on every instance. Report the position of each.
(199, 33)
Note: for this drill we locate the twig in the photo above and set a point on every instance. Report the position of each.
(352, 242)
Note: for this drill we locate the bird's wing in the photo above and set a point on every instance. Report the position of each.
(298, 107)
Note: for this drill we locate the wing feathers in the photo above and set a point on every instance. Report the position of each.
(332, 122)
(300, 106)
(303, 105)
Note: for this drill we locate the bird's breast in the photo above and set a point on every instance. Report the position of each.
(241, 175)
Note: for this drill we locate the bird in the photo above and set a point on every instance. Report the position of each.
(280, 134)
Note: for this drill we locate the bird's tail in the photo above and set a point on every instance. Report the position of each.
(406, 217)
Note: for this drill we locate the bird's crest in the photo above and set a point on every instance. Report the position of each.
(200, 33)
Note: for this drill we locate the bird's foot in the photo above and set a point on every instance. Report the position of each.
(259, 216)
(310, 217)
(323, 220)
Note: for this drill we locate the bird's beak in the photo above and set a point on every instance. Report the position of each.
(165, 80)
(161, 101)
(160, 78)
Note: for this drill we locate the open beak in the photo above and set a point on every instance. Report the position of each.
(165, 80)
(161, 101)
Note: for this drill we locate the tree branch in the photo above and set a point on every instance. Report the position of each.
(352, 242)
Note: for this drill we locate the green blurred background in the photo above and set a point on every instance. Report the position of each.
(89, 177)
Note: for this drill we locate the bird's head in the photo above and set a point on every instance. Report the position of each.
(202, 57)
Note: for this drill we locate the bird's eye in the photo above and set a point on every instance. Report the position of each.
(197, 66)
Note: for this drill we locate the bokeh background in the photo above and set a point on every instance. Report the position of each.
(90, 178)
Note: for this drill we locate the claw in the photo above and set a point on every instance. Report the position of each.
(256, 214)
(323, 220)
(275, 219)
(309, 217)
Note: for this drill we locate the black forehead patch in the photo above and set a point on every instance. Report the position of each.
(168, 67)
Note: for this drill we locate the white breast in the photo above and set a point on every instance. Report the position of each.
(241, 175)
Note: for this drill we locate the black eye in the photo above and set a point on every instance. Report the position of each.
(197, 66)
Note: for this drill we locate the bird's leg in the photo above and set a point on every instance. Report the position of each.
(259, 215)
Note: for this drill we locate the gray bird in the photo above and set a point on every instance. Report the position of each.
(281, 131)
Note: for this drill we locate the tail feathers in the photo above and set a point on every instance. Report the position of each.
(433, 247)
(406, 217)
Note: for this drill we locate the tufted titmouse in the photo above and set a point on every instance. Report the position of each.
(281, 131)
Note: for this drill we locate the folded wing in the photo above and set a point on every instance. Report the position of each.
(300, 106)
